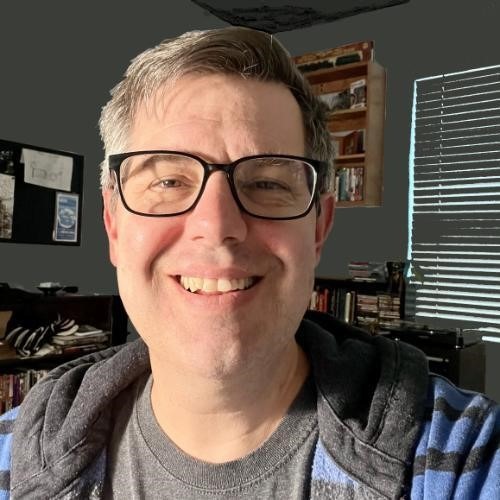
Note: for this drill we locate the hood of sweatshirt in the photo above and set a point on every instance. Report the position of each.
(371, 394)
(371, 400)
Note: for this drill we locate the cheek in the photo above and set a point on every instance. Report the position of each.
(297, 256)
(141, 240)
(293, 243)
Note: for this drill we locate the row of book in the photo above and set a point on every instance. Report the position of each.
(349, 184)
(15, 386)
(371, 311)
(338, 302)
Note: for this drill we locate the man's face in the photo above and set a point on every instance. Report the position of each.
(219, 118)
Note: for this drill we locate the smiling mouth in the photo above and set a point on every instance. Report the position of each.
(211, 285)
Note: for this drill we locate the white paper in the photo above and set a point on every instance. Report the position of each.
(7, 185)
(47, 169)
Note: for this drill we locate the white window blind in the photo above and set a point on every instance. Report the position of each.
(454, 199)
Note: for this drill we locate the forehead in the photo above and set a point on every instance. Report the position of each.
(226, 109)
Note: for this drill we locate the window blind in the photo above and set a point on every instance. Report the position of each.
(454, 199)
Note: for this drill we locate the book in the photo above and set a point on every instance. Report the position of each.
(313, 305)
(79, 339)
(347, 307)
(84, 330)
(358, 94)
(348, 142)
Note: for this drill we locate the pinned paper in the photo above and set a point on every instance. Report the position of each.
(47, 169)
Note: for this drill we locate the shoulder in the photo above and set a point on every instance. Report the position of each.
(459, 446)
(63, 422)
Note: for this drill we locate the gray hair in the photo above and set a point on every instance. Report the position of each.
(232, 50)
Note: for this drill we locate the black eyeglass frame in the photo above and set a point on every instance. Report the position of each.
(115, 161)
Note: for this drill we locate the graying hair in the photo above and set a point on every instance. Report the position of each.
(233, 50)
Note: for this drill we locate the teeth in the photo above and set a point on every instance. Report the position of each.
(215, 285)
(224, 285)
(195, 283)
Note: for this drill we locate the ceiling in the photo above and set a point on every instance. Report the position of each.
(274, 16)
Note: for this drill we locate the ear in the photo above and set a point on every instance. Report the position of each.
(110, 223)
(324, 222)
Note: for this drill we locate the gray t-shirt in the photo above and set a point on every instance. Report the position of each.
(143, 463)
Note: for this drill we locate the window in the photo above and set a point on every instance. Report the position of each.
(454, 200)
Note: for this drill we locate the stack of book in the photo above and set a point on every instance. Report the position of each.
(378, 312)
(61, 336)
(367, 311)
(85, 339)
(389, 311)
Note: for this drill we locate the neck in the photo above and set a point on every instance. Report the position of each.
(218, 420)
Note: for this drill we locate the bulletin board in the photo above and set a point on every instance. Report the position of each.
(41, 195)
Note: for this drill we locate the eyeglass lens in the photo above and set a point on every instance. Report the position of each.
(165, 184)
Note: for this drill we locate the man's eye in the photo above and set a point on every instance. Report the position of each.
(268, 185)
(166, 183)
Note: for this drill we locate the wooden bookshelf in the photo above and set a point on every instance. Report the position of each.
(369, 118)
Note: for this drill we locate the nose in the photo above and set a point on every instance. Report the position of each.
(216, 218)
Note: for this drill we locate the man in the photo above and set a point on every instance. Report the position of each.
(217, 203)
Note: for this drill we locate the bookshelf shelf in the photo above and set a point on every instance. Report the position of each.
(356, 127)
(37, 363)
(342, 114)
(338, 73)
(358, 157)
(31, 311)
(347, 204)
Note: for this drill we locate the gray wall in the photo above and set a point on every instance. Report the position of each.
(59, 60)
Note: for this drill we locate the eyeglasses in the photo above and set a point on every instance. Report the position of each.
(168, 183)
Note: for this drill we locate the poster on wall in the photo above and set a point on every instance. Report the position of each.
(7, 184)
(66, 220)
